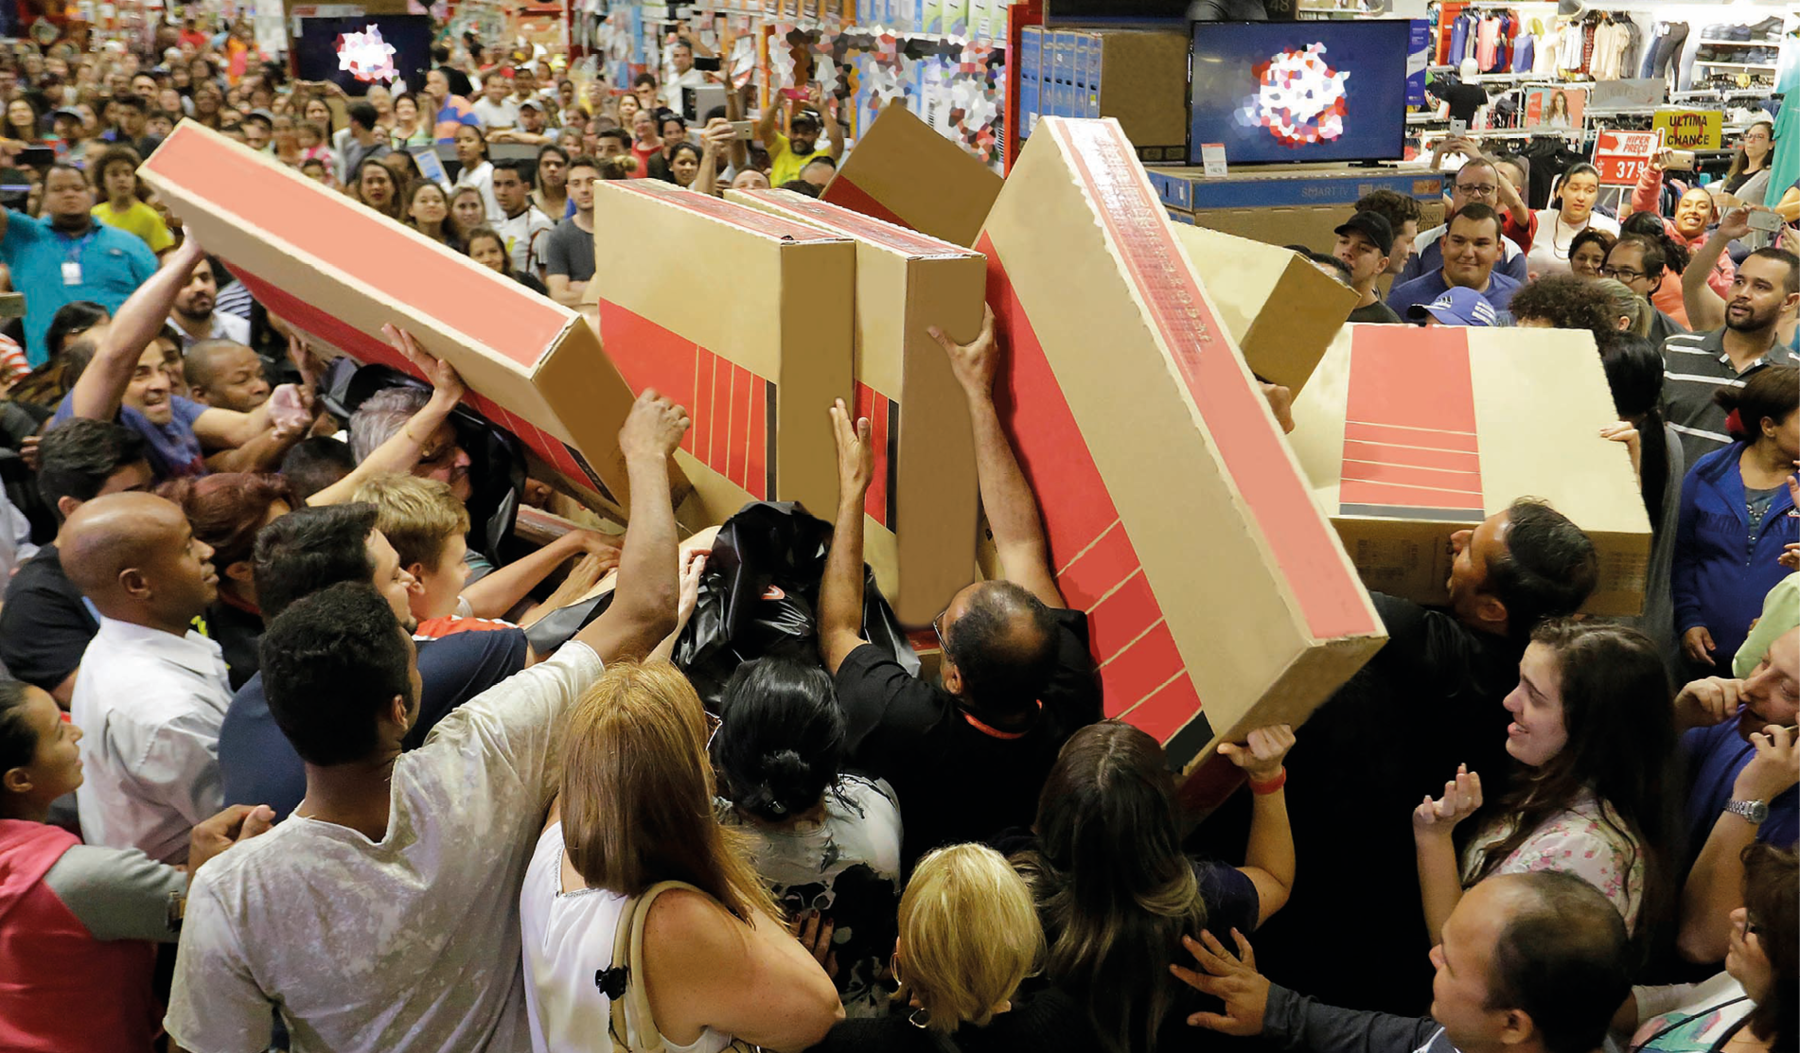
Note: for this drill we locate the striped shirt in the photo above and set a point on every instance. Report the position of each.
(1694, 366)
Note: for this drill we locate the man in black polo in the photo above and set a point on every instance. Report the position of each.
(1696, 364)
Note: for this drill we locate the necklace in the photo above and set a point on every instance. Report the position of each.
(1557, 250)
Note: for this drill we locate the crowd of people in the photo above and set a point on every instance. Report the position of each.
(295, 755)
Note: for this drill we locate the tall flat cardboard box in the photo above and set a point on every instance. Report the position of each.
(904, 172)
(1219, 597)
(744, 318)
(1288, 204)
(922, 506)
(1281, 310)
(1410, 435)
(340, 272)
(1141, 78)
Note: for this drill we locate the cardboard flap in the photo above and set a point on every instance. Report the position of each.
(904, 172)
(1281, 310)
(340, 271)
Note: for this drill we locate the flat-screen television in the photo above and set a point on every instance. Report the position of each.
(321, 40)
(1273, 92)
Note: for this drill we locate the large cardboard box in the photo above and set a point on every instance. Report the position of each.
(922, 506)
(340, 272)
(1219, 597)
(1281, 310)
(903, 171)
(1290, 204)
(1141, 78)
(1410, 435)
(743, 317)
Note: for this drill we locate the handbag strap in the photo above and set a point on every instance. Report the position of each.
(633, 1025)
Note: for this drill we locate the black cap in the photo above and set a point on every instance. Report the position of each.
(1372, 225)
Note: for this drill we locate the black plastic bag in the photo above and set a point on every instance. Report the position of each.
(759, 597)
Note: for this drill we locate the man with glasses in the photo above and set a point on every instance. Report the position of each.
(1638, 262)
(968, 754)
(1478, 182)
(1739, 739)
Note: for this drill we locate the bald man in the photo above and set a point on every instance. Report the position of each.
(151, 692)
(226, 375)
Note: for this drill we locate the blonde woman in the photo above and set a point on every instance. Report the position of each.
(969, 936)
(636, 810)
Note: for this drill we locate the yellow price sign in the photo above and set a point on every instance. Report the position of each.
(1690, 129)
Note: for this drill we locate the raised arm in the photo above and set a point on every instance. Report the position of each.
(1006, 497)
(1647, 194)
(643, 607)
(401, 450)
(841, 591)
(101, 389)
(766, 121)
(1269, 856)
(828, 118)
(1440, 880)
(1705, 307)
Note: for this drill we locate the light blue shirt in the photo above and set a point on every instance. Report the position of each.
(113, 264)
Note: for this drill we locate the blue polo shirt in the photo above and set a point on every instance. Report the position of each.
(113, 264)
(174, 448)
(1428, 287)
(1715, 756)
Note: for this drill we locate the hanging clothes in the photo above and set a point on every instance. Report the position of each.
(1487, 48)
(1522, 53)
(1549, 46)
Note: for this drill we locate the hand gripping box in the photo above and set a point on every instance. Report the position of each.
(922, 505)
(1219, 598)
(1410, 435)
(744, 318)
(339, 272)
(1281, 310)
(906, 172)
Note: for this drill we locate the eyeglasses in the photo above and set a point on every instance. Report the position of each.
(1477, 190)
(937, 628)
(1621, 273)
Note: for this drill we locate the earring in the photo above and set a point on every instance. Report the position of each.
(919, 1018)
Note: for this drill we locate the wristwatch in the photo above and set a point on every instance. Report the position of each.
(1752, 812)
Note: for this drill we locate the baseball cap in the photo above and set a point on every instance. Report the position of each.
(1457, 306)
(531, 104)
(1372, 225)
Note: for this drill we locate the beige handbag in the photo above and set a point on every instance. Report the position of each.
(632, 1025)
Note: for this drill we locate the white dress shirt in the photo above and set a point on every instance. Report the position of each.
(225, 326)
(150, 704)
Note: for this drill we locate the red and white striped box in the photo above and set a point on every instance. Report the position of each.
(1219, 598)
(923, 505)
(1409, 435)
(339, 272)
(745, 318)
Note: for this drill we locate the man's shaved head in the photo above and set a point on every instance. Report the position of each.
(135, 556)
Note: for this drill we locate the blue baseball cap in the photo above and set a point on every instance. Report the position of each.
(1457, 306)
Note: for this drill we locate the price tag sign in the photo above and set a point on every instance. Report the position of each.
(1623, 157)
(1212, 159)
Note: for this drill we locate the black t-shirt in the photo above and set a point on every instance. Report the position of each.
(1047, 1022)
(1376, 312)
(259, 766)
(955, 781)
(1464, 100)
(459, 81)
(1428, 700)
(237, 632)
(44, 626)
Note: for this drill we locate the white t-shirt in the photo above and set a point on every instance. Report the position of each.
(846, 867)
(1550, 249)
(410, 943)
(568, 938)
(524, 236)
(497, 116)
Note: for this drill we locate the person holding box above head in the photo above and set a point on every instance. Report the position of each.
(965, 755)
(1470, 250)
(429, 847)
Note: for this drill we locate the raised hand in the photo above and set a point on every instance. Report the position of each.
(1704, 703)
(974, 364)
(1263, 752)
(856, 455)
(654, 428)
(445, 381)
(1462, 797)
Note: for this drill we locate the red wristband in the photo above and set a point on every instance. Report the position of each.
(1263, 788)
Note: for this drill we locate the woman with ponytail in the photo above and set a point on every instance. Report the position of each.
(1737, 517)
(826, 843)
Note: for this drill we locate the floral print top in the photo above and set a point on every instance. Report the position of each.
(1576, 841)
